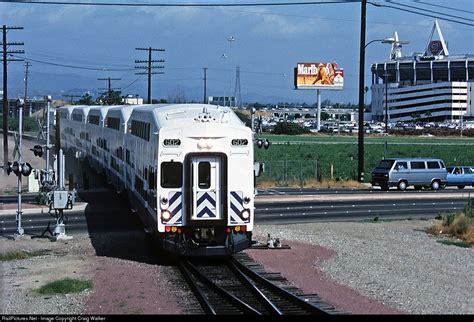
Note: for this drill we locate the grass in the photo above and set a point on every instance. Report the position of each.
(311, 183)
(65, 286)
(21, 254)
(296, 160)
(457, 225)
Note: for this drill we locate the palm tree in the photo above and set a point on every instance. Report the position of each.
(428, 115)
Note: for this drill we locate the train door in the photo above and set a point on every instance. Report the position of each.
(206, 185)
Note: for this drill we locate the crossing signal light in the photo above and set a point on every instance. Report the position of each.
(19, 168)
(9, 168)
(263, 143)
(37, 150)
(26, 169)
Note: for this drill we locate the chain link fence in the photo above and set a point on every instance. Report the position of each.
(299, 172)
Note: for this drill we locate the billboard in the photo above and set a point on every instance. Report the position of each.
(318, 76)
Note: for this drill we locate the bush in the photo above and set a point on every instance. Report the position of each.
(469, 208)
(289, 128)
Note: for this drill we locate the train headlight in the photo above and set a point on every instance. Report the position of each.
(246, 200)
(164, 200)
(205, 144)
(245, 214)
(202, 143)
(165, 215)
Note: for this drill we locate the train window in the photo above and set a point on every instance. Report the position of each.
(113, 123)
(127, 156)
(171, 174)
(151, 179)
(204, 175)
(94, 119)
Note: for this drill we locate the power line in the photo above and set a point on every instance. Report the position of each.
(224, 4)
(432, 11)
(419, 13)
(75, 66)
(444, 7)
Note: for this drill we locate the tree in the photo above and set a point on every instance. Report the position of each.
(415, 116)
(428, 115)
(110, 98)
(289, 128)
(86, 99)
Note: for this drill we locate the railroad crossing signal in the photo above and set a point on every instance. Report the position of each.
(17, 140)
(37, 151)
(18, 168)
(263, 143)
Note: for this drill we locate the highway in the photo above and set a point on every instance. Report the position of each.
(107, 211)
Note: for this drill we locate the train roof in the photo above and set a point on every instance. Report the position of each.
(100, 110)
(81, 109)
(182, 114)
(121, 111)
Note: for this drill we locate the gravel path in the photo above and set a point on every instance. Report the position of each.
(395, 263)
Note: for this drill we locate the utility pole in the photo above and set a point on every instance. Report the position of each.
(149, 67)
(205, 85)
(109, 88)
(5, 60)
(27, 65)
(360, 144)
(72, 97)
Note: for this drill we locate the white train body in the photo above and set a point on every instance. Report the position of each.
(187, 169)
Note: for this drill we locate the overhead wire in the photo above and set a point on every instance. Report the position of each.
(418, 13)
(441, 6)
(142, 4)
(427, 10)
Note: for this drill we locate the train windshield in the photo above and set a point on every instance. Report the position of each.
(171, 174)
(385, 164)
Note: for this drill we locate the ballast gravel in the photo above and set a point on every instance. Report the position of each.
(364, 268)
(395, 263)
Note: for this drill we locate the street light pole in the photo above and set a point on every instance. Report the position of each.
(230, 40)
(361, 86)
(386, 101)
(363, 14)
(224, 56)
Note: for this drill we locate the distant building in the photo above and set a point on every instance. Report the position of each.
(434, 86)
(221, 100)
(132, 100)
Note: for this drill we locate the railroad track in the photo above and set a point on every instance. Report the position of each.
(228, 286)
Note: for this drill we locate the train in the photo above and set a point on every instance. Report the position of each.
(187, 169)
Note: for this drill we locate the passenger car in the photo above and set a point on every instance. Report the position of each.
(404, 172)
(460, 176)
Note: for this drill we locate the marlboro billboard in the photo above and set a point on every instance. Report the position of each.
(318, 76)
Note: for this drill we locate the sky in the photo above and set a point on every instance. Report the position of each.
(269, 42)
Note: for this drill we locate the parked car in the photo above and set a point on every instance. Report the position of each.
(460, 176)
(404, 172)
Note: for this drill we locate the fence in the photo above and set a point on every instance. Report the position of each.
(298, 172)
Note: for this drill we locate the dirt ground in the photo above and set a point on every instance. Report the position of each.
(131, 283)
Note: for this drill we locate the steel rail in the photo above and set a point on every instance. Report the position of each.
(282, 292)
(262, 298)
(238, 303)
(205, 304)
